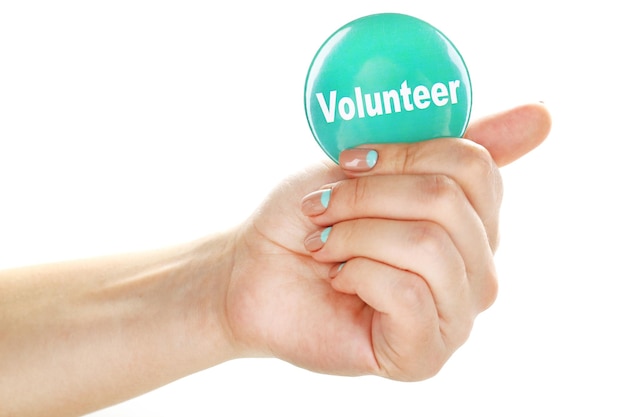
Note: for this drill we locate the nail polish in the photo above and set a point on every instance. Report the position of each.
(316, 202)
(371, 158)
(316, 241)
(358, 159)
(325, 198)
(324, 235)
(335, 270)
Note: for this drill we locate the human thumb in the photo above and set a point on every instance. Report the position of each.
(510, 134)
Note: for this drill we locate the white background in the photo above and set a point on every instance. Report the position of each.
(135, 124)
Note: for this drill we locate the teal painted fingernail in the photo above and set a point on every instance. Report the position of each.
(372, 158)
(324, 235)
(325, 198)
(334, 271)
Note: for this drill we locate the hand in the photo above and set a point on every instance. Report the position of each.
(388, 278)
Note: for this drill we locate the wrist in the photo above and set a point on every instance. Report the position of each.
(205, 322)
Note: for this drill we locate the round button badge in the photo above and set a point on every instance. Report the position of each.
(386, 78)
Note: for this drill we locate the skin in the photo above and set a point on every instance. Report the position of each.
(392, 291)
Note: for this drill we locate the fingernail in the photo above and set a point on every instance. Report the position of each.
(335, 270)
(316, 202)
(358, 159)
(315, 241)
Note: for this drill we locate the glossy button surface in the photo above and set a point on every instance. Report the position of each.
(386, 78)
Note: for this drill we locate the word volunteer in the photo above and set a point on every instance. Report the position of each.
(386, 102)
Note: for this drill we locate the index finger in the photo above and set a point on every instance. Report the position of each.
(463, 161)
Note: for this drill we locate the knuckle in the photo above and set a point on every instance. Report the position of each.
(462, 331)
(480, 165)
(456, 330)
(494, 236)
(431, 361)
(442, 189)
(435, 365)
(430, 237)
(411, 293)
(445, 188)
(489, 289)
(476, 157)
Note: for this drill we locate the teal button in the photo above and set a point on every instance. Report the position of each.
(386, 78)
